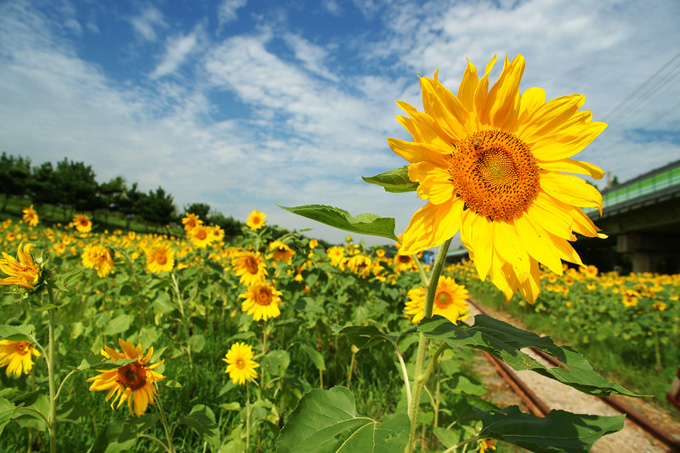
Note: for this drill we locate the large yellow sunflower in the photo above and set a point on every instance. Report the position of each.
(450, 301)
(98, 257)
(82, 223)
(240, 363)
(491, 164)
(262, 301)
(200, 236)
(133, 382)
(30, 216)
(16, 356)
(25, 272)
(256, 220)
(160, 259)
(249, 267)
(280, 252)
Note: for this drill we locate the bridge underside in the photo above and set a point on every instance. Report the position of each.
(643, 237)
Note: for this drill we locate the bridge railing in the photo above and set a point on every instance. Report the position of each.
(650, 185)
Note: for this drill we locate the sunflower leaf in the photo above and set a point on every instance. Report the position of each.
(557, 431)
(326, 420)
(365, 223)
(17, 333)
(395, 181)
(504, 342)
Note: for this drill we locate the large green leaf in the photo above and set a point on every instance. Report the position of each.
(326, 421)
(505, 341)
(558, 431)
(365, 223)
(17, 333)
(396, 181)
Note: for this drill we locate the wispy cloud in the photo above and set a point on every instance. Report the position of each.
(177, 49)
(146, 23)
(227, 11)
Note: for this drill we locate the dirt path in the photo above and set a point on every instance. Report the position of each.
(558, 396)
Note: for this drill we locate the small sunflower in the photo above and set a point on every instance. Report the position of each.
(256, 220)
(191, 221)
(280, 252)
(160, 259)
(25, 272)
(30, 216)
(496, 165)
(82, 223)
(449, 302)
(200, 236)
(240, 363)
(98, 257)
(249, 267)
(262, 301)
(360, 265)
(17, 356)
(133, 382)
(404, 263)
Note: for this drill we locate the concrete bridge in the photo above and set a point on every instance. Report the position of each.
(642, 219)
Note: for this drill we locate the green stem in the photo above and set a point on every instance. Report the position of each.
(157, 440)
(164, 422)
(63, 381)
(351, 368)
(420, 377)
(247, 417)
(52, 425)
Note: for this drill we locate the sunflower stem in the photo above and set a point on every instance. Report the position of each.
(52, 425)
(247, 417)
(164, 422)
(420, 376)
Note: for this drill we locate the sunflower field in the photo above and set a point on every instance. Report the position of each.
(119, 341)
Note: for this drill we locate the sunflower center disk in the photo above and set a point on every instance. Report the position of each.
(443, 300)
(132, 376)
(263, 297)
(495, 174)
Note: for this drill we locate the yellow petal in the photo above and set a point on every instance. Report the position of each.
(468, 85)
(434, 184)
(548, 116)
(571, 190)
(419, 152)
(572, 166)
(537, 243)
(431, 225)
(503, 100)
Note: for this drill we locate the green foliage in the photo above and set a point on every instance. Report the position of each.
(327, 421)
(365, 223)
(396, 181)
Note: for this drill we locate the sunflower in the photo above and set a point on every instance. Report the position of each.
(200, 236)
(449, 302)
(160, 259)
(25, 272)
(133, 382)
(336, 255)
(360, 265)
(16, 356)
(490, 163)
(250, 267)
(217, 233)
(487, 444)
(240, 363)
(404, 263)
(262, 301)
(30, 216)
(191, 221)
(280, 252)
(98, 257)
(81, 223)
(256, 220)
(630, 298)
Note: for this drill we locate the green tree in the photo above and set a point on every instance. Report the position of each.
(15, 175)
(202, 210)
(77, 184)
(41, 186)
(112, 193)
(158, 208)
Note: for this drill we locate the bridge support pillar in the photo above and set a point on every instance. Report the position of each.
(648, 252)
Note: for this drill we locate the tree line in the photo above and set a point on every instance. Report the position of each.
(73, 188)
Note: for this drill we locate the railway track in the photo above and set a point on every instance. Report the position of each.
(540, 395)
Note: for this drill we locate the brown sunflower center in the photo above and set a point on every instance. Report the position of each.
(251, 265)
(443, 300)
(202, 235)
(404, 259)
(162, 259)
(495, 174)
(264, 296)
(240, 364)
(132, 376)
(22, 347)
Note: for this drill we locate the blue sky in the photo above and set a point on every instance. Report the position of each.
(246, 104)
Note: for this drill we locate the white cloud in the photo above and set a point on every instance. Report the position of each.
(146, 23)
(311, 56)
(226, 12)
(177, 49)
